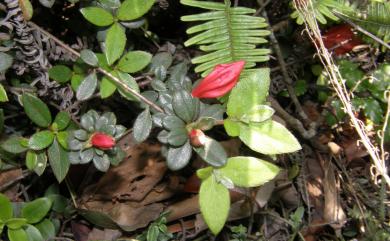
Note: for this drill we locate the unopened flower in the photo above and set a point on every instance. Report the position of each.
(340, 39)
(220, 81)
(102, 141)
(197, 138)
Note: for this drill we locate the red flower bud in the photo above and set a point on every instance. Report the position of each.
(197, 138)
(340, 39)
(220, 81)
(102, 141)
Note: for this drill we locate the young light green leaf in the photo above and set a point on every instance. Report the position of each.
(62, 120)
(13, 145)
(115, 43)
(60, 73)
(212, 152)
(3, 94)
(97, 16)
(107, 88)
(59, 160)
(36, 110)
(269, 138)
(214, 201)
(133, 9)
(31, 160)
(17, 235)
(15, 223)
(152, 233)
(232, 127)
(134, 61)
(6, 208)
(5, 61)
(41, 140)
(89, 57)
(248, 171)
(87, 87)
(259, 113)
(36, 210)
(142, 126)
(179, 157)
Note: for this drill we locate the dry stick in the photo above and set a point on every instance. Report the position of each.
(106, 73)
(339, 86)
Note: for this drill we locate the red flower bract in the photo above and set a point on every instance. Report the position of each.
(220, 81)
(340, 39)
(102, 141)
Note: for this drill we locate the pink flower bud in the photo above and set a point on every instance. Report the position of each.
(197, 138)
(102, 141)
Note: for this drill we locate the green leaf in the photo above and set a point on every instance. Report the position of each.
(60, 73)
(15, 223)
(172, 122)
(33, 233)
(134, 61)
(115, 43)
(36, 210)
(259, 113)
(5, 61)
(97, 16)
(47, 229)
(62, 120)
(212, 152)
(89, 57)
(250, 92)
(185, 107)
(179, 157)
(87, 87)
(163, 59)
(59, 161)
(177, 137)
(214, 201)
(62, 138)
(41, 163)
(76, 81)
(130, 82)
(6, 208)
(232, 127)
(36, 110)
(13, 145)
(152, 233)
(268, 138)
(107, 88)
(41, 140)
(133, 9)
(204, 173)
(17, 235)
(142, 126)
(101, 163)
(248, 171)
(3, 94)
(31, 160)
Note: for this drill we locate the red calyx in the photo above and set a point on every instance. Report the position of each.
(220, 81)
(340, 39)
(197, 138)
(102, 141)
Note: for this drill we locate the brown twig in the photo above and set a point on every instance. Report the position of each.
(103, 71)
(13, 181)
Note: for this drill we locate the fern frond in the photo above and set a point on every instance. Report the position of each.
(228, 34)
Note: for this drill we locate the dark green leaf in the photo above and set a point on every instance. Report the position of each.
(36, 210)
(89, 57)
(97, 16)
(6, 208)
(46, 228)
(86, 155)
(60, 73)
(115, 43)
(215, 111)
(41, 140)
(5, 61)
(87, 87)
(212, 152)
(33, 233)
(171, 122)
(158, 85)
(41, 163)
(1, 120)
(13, 145)
(177, 137)
(164, 59)
(179, 157)
(101, 163)
(134, 61)
(133, 9)
(184, 105)
(59, 160)
(17, 235)
(36, 110)
(142, 126)
(62, 120)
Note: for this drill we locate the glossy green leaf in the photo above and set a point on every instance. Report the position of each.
(17, 235)
(59, 160)
(177, 137)
(33, 233)
(179, 157)
(185, 107)
(212, 152)
(133, 9)
(115, 43)
(89, 57)
(6, 208)
(15, 223)
(248, 171)
(130, 82)
(31, 160)
(269, 138)
(214, 201)
(5, 61)
(171, 122)
(76, 81)
(36, 210)
(62, 120)
(142, 126)
(62, 138)
(134, 61)
(13, 145)
(60, 73)
(107, 88)
(3, 94)
(87, 87)
(46, 228)
(97, 16)
(232, 127)
(41, 163)
(259, 113)
(164, 59)
(36, 110)
(101, 163)
(41, 140)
